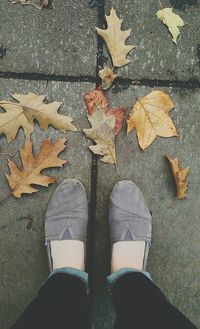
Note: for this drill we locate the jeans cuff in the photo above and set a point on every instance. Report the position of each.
(74, 272)
(116, 275)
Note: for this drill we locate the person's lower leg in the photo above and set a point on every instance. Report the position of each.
(138, 302)
(68, 253)
(127, 254)
(61, 300)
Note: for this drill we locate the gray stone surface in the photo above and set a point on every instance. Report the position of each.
(155, 55)
(59, 41)
(175, 253)
(23, 261)
(62, 41)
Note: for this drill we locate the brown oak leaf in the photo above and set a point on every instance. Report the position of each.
(115, 39)
(21, 180)
(102, 133)
(150, 117)
(96, 99)
(180, 176)
(31, 107)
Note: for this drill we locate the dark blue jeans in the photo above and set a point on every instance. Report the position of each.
(62, 304)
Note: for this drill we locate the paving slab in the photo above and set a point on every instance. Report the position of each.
(60, 41)
(175, 253)
(23, 260)
(155, 55)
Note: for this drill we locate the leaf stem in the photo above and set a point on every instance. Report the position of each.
(161, 6)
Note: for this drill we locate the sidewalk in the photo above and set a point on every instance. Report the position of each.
(60, 46)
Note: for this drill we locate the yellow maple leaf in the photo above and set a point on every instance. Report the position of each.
(102, 133)
(172, 20)
(31, 107)
(150, 117)
(180, 176)
(20, 180)
(115, 39)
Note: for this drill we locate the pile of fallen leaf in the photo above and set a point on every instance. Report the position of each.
(149, 116)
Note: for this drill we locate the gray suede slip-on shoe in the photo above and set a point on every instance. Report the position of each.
(67, 214)
(129, 216)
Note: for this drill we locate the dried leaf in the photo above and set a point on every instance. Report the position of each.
(119, 115)
(107, 76)
(97, 99)
(115, 39)
(39, 4)
(20, 180)
(31, 107)
(102, 133)
(150, 117)
(180, 176)
(172, 20)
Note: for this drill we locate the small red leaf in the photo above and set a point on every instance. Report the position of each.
(96, 100)
(119, 114)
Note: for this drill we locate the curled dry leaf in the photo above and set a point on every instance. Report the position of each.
(20, 180)
(107, 76)
(180, 176)
(150, 117)
(97, 99)
(172, 20)
(34, 3)
(115, 39)
(106, 124)
(31, 107)
(102, 133)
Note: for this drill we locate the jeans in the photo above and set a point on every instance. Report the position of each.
(62, 303)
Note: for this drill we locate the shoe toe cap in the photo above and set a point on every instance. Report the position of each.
(127, 196)
(69, 195)
(67, 209)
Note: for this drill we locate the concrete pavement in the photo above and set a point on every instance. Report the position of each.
(60, 46)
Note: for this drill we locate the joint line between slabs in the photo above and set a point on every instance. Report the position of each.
(46, 77)
(94, 168)
(187, 84)
(94, 164)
